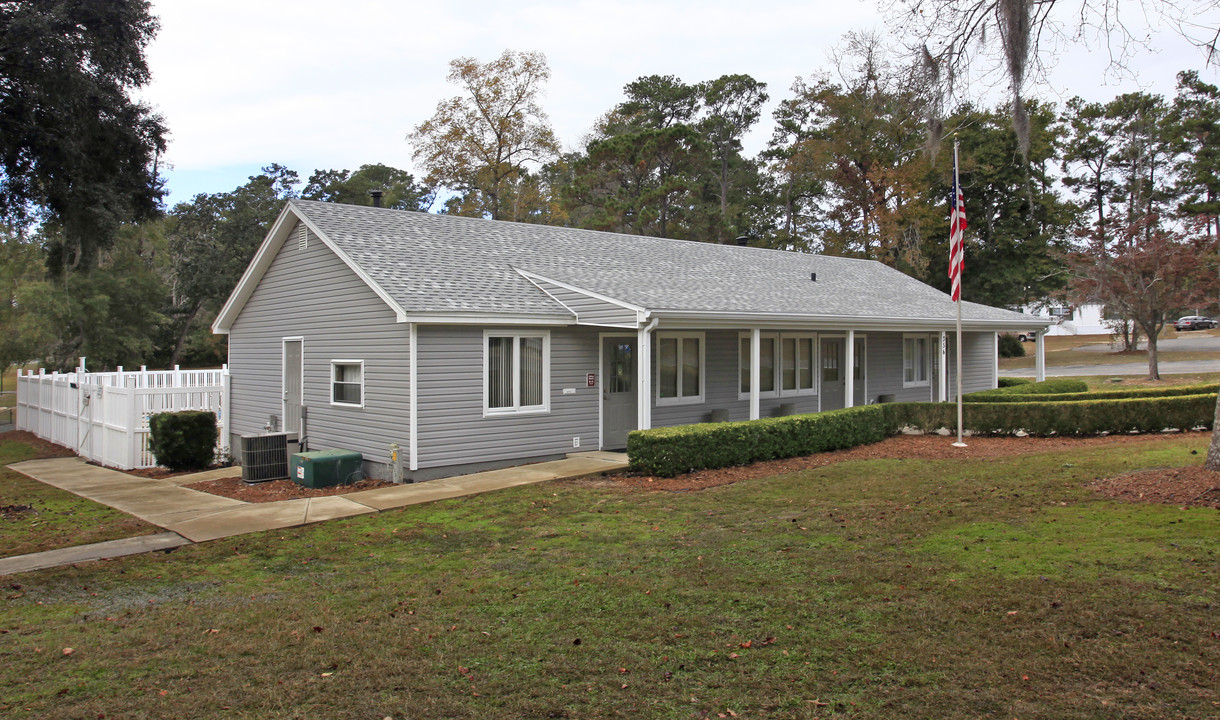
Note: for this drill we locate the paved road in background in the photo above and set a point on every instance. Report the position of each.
(1193, 342)
(1178, 367)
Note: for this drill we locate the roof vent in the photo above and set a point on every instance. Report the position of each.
(376, 197)
(743, 240)
(813, 277)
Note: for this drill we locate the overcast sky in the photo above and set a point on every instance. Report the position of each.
(311, 84)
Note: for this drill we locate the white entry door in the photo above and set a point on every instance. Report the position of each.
(619, 391)
(292, 372)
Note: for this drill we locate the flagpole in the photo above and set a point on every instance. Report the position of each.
(958, 302)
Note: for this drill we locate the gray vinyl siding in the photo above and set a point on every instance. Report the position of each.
(885, 368)
(312, 294)
(452, 429)
(978, 361)
(590, 310)
(721, 388)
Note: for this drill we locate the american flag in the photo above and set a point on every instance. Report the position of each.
(957, 227)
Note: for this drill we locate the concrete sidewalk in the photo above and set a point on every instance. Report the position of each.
(195, 516)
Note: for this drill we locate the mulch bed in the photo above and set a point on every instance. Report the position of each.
(1179, 486)
(273, 490)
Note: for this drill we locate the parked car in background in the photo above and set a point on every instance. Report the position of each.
(1193, 322)
(1028, 336)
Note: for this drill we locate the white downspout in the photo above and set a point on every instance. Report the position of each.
(644, 372)
(849, 373)
(755, 371)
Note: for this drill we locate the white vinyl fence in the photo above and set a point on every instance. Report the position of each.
(104, 416)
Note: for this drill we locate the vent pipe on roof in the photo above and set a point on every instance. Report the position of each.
(376, 197)
(743, 240)
(813, 277)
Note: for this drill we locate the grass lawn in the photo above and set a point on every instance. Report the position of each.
(35, 516)
(865, 589)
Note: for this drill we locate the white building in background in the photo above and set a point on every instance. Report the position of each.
(1083, 320)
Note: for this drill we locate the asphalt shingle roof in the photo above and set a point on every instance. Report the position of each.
(443, 264)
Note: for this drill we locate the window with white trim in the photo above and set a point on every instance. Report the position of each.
(516, 375)
(347, 383)
(785, 365)
(915, 365)
(679, 368)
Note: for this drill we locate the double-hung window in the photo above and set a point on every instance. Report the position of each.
(517, 372)
(679, 368)
(347, 382)
(915, 365)
(785, 365)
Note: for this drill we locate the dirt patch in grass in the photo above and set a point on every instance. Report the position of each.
(1179, 486)
(274, 490)
(42, 448)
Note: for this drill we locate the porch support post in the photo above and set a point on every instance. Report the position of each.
(755, 373)
(849, 372)
(944, 368)
(643, 380)
(1040, 356)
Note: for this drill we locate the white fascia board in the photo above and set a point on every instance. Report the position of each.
(532, 277)
(266, 255)
(438, 318)
(783, 321)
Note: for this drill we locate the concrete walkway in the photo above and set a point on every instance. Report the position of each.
(193, 516)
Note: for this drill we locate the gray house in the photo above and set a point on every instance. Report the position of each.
(474, 344)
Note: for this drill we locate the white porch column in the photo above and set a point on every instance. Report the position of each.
(943, 394)
(1040, 356)
(849, 373)
(755, 374)
(643, 382)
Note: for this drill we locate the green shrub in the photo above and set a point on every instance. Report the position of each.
(183, 440)
(672, 450)
(1087, 417)
(1097, 394)
(1012, 381)
(1011, 346)
(1046, 387)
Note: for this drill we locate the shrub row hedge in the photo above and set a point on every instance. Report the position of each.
(1053, 386)
(1096, 394)
(672, 450)
(1085, 417)
(1012, 381)
(183, 440)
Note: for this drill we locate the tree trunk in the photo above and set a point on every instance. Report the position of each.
(1213, 450)
(176, 357)
(1154, 372)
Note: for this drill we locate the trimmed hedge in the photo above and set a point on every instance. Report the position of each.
(1053, 386)
(183, 440)
(1098, 394)
(1086, 417)
(672, 450)
(1011, 346)
(1013, 381)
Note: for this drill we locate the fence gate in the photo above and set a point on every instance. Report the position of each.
(104, 416)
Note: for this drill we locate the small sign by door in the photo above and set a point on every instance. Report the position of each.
(591, 380)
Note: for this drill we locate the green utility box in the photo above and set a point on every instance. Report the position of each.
(326, 468)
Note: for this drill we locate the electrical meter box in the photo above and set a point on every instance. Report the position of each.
(326, 468)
